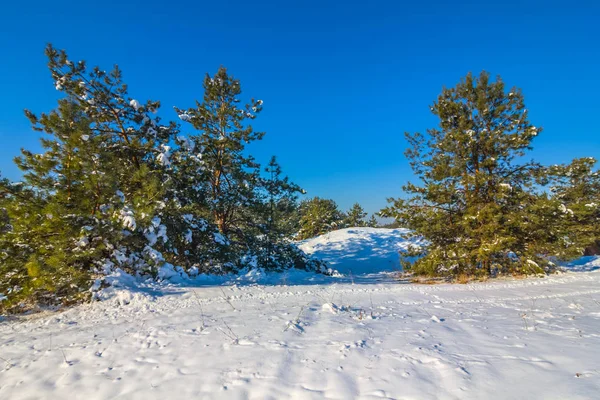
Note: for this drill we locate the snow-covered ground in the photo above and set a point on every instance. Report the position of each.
(304, 338)
(360, 251)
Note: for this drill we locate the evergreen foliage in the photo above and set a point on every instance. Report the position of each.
(222, 132)
(318, 216)
(355, 217)
(255, 210)
(372, 222)
(480, 206)
(576, 188)
(116, 188)
(392, 225)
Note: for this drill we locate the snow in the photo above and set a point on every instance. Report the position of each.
(135, 104)
(531, 262)
(184, 116)
(127, 218)
(164, 155)
(565, 210)
(220, 239)
(82, 242)
(296, 335)
(187, 143)
(120, 195)
(156, 231)
(587, 263)
(360, 251)
(96, 285)
(188, 237)
(168, 271)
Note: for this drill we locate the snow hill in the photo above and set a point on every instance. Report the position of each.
(360, 251)
(290, 336)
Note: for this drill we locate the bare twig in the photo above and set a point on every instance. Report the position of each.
(361, 314)
(229, 333)
(427, 312)
(65, 357)
(296, 321)
(7, 363)
(201, 310)
(532, 314)
(594, 300)
(524, 316)
(227, 300)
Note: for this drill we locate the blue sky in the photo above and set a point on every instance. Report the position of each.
(341, 80)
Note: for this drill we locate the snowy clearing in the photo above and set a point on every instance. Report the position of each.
(327, 338)
(360, 251)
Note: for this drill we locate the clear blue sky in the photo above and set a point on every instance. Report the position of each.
(341, 80)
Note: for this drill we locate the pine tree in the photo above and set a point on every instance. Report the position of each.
(4, 219)
(280, 197)
(254, 210)
(131, 178)
(318, 216)
(477, 204)
(99, 195)
(576, 190)
(373, 222)
(270, 230)
(223, 132)
(355, 217)
(116, 188)
(51, 211)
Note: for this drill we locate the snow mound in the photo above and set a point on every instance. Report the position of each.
(584, 264)
(360, 251)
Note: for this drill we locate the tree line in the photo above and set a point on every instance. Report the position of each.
(116, 187)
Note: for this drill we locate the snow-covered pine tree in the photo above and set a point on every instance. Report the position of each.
(132, 172)
(575, 188)
(477, 204)
(223, 130)
(254, 212)
(355, 217)
(98, 196)
(318, 216)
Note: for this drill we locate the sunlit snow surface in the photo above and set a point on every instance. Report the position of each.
(297, 336)
(361, 251)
